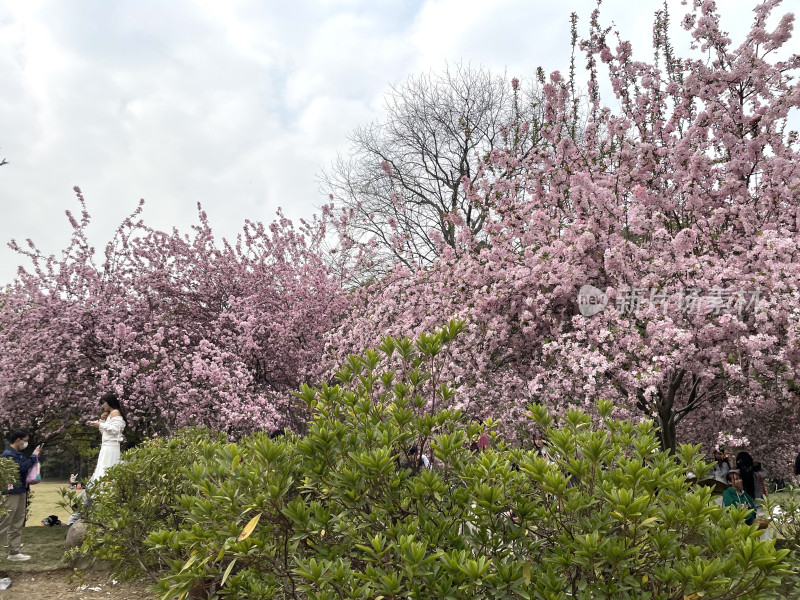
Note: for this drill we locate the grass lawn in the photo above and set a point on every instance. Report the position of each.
(45, 545)
(47, 576)
(45, 502)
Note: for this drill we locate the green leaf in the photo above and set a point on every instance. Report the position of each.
(227, 572)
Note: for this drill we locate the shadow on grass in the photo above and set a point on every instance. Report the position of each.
(45, 545)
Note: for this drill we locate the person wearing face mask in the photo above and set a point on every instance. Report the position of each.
(14, 498)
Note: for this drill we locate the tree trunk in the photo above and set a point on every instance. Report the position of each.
(666, 431)
(665, 405)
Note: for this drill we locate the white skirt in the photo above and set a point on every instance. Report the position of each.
(108, 457)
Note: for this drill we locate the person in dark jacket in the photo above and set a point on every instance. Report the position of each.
(752, 481)
(14, 498)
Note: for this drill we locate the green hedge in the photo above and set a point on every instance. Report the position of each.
(9, 475)
(138, 496)
(347, 512)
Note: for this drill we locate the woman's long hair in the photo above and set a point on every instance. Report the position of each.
(744, 462)
(113, 401)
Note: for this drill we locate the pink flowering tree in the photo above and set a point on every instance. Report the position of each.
(680, 206)
(189, 329)
(694, 215)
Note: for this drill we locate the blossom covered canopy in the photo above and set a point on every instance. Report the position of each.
(689, 190)
(187, 329)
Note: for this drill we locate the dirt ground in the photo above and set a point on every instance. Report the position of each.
(64, 585)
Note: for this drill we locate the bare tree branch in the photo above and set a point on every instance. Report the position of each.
(402, 178)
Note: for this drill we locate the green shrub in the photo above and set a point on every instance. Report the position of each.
(784, 509)
(347, 512)
(9, 475)
(136, 497)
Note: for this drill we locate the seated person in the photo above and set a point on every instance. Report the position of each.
(736, 496)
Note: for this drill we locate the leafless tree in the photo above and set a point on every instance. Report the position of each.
(402, 181)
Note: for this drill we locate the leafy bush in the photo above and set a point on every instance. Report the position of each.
(784, 510)
(348, 512)
(136, 497)
(9, 475)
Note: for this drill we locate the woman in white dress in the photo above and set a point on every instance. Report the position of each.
(111, 425)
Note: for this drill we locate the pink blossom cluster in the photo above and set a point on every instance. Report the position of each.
(187, 328)
(693, 182)
(688, 179)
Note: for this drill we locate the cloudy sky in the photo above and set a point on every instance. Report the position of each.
(236, 104)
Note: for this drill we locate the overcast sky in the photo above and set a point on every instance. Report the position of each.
(235, 104)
